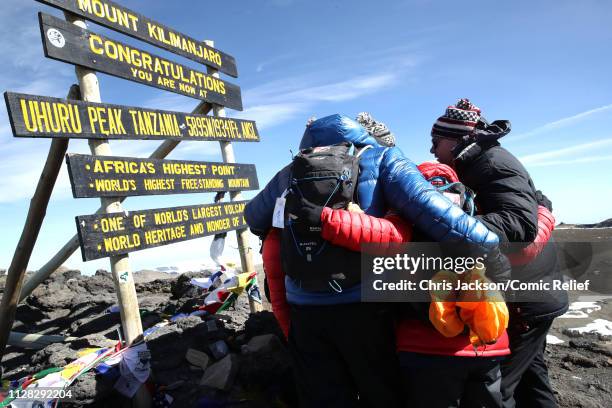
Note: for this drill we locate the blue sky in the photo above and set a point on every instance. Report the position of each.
(543, 65)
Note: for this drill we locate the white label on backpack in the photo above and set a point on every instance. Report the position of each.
(278, 219)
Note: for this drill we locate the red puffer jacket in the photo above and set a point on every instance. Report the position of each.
(276, 278)
(546, 225)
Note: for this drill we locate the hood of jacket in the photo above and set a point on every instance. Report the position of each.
(335, 129)
(484, 136)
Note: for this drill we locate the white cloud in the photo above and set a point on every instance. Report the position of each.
(274, 60)
(273, 114)
(567, 154)
(570, 120)
(279, 101)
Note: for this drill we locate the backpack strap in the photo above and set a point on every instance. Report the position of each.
(362, 150)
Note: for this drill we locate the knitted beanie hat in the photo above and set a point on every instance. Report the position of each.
(459, 120)
(377, 130)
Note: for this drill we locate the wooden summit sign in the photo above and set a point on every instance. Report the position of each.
(126, 21)
(103, 235)
(41, 116)
(110, 176)
(69, 43)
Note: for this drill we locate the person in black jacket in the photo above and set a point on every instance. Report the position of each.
(507, 203)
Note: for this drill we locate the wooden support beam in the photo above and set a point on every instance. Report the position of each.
(227, 151)
(33, 223)
(36, 341)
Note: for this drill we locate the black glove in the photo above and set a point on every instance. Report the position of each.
(543, 200)
(307, 212)
(498, 266)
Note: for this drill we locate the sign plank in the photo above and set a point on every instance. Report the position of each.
(114, 16)
(103, 235)
(112, 176)
(41, 116)
(69, 43)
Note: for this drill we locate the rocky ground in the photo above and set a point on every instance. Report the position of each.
(256, 373)
(580, 368)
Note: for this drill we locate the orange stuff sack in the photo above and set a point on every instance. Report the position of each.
(443, 313)
(484, 311)
(487, 321)
(444, 317)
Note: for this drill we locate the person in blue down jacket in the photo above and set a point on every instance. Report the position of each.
(344, 350)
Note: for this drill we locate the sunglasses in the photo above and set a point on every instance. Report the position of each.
(435, 140)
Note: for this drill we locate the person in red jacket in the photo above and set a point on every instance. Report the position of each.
(462, 372)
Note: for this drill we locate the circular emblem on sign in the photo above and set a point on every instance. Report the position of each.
(56, 38)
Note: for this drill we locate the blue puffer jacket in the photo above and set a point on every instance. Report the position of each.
(387, 180)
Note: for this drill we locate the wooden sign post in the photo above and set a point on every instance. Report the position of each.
(227, 151)
(113, 232)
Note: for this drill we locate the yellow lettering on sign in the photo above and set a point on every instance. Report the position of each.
(187, 88)
(169, 83)
(114, 185)
(196, 229)
(202, 183)
(159, 184)
(50, 117)
(171, 217)
(121, 243)
(223, 170)
(112, 224)
(161, 124)
(106, 121)
(248, 130)
(206, 212)
(95, 44)
(209, 126)
(234, 208)
(170, 71)
(178, 41)
(218, 225)
(238, 183)
(109, 13)
(165, 235)
(192, 169)
(123, 167)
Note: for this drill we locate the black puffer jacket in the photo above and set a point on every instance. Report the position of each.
(507, 204)
(505, 194)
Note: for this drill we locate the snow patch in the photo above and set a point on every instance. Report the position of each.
(597, 326)
(579, 310)
(550, 339)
